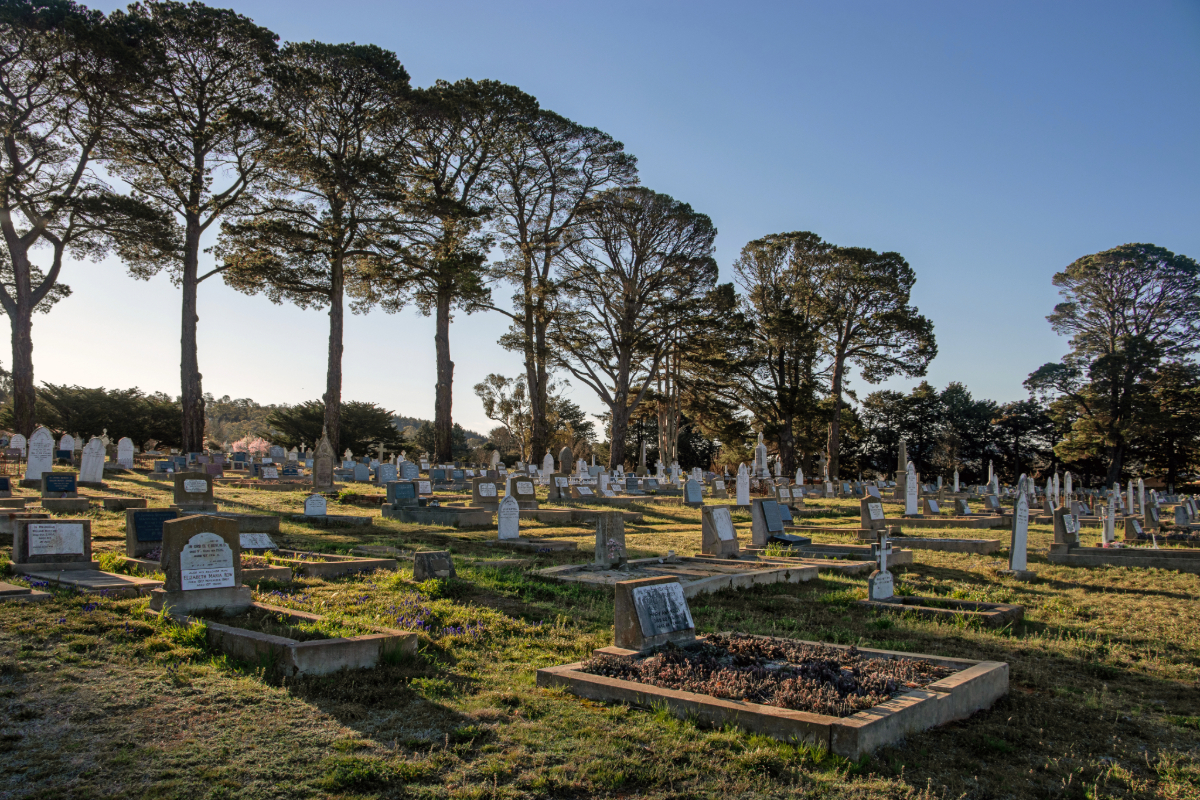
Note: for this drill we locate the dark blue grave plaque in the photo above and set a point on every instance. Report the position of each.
(457, 475)
(290, 472)
(148, 523)
(651, 484)
(631, 484)
(785, 514)
(5, 484)
(63, 455)
(772, 516)
(398, 491)
(241, 456)
(437, 474)
(59, 482)
(163, 466)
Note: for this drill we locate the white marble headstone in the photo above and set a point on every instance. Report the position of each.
(41, 454)
(508, 518)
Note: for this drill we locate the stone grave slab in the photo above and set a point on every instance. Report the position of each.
(697, 575)
(52, 546)
(718, 534)
(651, 612)
(202, 561)
(194, 491)
(144, 529)
(11, 593)
(433, 564)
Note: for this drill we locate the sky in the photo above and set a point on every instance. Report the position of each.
(990, 144)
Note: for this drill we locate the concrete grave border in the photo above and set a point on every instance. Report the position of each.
(992, 615)
(975, 686)
(290, 657)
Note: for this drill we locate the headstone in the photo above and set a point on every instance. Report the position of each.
(718, 535)
(322, 472)
(125, 452)
(384, 474)
(880, 584)
(610, 539)
(194, 491)
(719, 492)
(565, 459)
(64, 544)
(485, 494)
(931, 506)
(402, 493)
(144, 529)
(316, 505)
(1017, 561)
(5, 486)
(760, 460)
(765, 521)
(18, 442)
(91, 468)
(582, 493)
(524, 491)
(508, 518)
(58, 484)
(202, 562)
(41, 454)
(692, 494)
(362, 473)
(652, 612)
(559, 487)
(871, 514)
(743, 486)
(548, 464)
(433, 564)
(911, 490)
(409, 471)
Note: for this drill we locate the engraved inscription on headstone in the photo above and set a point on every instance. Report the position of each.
(206, 562)
(508, 518)
(315, 506)
(661, 609)
(256, 541)
(55, 538)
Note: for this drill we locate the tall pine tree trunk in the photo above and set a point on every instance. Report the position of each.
(442, 423)
(535, 374)
(333, 371)
(24, 396)
(835, 421)
(620, 429)
(191, 391)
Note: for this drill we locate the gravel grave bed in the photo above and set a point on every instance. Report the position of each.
(816, 678)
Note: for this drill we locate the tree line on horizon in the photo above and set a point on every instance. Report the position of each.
(331, 181)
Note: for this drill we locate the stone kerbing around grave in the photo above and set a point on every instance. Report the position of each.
(977, 546)
(123, 503)
(991, 615)
(326, 565)
(974, 686)
(289, 657)
(10, 593)
(1174, 558)
(8, 523)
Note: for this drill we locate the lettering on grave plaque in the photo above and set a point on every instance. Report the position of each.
(206, 562)
(195, 486)
(651, 484)
(487, 490)
(661, 609)
(55, 538)
(315, 506)
(693, 494)
(608, 492)
(524, 487)
(508, 518)
(585, 491)
(57, 482)
(270, 472)
(560, 483)
(772, 516)
(256, 541)
(719, 485)
(457, 475)
(876, 510)
(401, 490)
(148, 524)
(424, 487)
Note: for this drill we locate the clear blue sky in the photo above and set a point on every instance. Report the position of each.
(990, 144)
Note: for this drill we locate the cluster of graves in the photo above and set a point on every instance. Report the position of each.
(210, 558)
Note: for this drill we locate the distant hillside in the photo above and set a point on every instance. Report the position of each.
(402, 423)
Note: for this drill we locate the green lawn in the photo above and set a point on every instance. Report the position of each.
(99, 701)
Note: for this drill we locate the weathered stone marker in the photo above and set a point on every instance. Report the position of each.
(194, 491)
(610, 539)
(144, 529)
(508, 518)
(433, 564)
(316, 505)
(718, 535)
(42, 546)
(651, 612)
(202, 561)
(880, 583)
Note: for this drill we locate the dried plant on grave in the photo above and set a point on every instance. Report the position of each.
(777, 672)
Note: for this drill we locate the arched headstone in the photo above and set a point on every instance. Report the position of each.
(91, 469)
(125, 452)
(41, 454)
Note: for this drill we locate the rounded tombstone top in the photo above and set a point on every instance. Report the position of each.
(566, 456)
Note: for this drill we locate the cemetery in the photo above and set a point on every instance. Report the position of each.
(583, 499)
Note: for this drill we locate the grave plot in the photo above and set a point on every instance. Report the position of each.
(881, 595)
(1067, 549)
(697, 575)
(847, 700)
(719, 540)
(11, 593)
(60, 552)
(202, 562)
(325, 565)
(316, 512)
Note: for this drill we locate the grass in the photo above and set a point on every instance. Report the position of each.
(97, 700)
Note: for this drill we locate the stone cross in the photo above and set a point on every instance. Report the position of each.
(880, 585)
